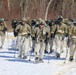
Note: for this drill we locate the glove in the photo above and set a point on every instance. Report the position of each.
(5, 29)
(66, 35)
(15, 34)
(52, 35)
(46, 34)
(33, 38)
(29, 34)
(18, 30)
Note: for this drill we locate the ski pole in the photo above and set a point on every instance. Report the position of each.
(14, 48)
(30, 48)
(7, 38)
(48, 58)
(66, 55)
(30, 53)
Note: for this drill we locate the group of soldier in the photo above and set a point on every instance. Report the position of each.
(41, 36)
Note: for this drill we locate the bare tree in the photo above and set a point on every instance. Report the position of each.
(47, 8)
(8, 5)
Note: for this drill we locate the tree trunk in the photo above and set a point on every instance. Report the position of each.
(47, 9)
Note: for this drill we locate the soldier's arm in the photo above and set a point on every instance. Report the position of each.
(5, 26)
(54, 30)
(29, 29)
(71, 30)
(48, 31)
(18, 28)
(65, 29)
(34, 32)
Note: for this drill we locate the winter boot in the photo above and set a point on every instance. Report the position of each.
(51, 51)
(1, 47)
(41, 60)
(57, 55)
(36, 60)
(46, 51)
(71, 58)
(24, 57)
(19, 57)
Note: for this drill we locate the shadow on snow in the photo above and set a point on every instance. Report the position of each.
(19, 60)
(52, 58)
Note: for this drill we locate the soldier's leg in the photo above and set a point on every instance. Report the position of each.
(25, 48)
(37, 48)
(72, 50)
(57, 46)
(47, 46)
(65, 42)
(64, 45)
(42, 48)
(30, 43)
(2, 40)
(51, 45)
(20, 48)
(33, 45)
(56, 43)
(18, 41)
(61, 44)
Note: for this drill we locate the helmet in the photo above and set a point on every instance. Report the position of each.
(37, 22)
(1, 19)
(24, 19)
(74, 22)
(60, 18)
(42, 21)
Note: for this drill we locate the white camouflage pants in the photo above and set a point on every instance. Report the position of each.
(39, 49)
(72, 47)
(33, 44)
(24, 46)
(18, 41)
(50, 44)
(58, 42)
(2, 38)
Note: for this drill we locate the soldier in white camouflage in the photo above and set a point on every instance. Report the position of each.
(72, 35)
(39, 34)
(3, 29)
(60, 33)
(24, 32)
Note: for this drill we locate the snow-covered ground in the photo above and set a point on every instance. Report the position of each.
(11, 65)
